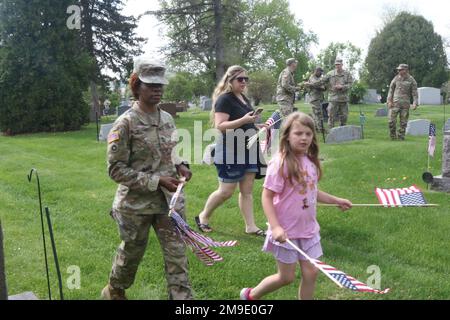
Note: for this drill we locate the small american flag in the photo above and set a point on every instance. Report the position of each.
(400, 197)
(432, 140)
(337, 276)
(344, 280)
(273, 123)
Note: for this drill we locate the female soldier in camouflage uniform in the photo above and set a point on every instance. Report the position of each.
(140, 160)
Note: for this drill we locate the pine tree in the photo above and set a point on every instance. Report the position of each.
(43, 70)
(109, 37)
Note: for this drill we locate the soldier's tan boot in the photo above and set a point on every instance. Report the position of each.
(110, 293)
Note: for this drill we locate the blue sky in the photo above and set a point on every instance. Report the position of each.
(338, 21)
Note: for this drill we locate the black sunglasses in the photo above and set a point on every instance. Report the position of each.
(241, 79)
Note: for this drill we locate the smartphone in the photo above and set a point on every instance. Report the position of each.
(257, 112)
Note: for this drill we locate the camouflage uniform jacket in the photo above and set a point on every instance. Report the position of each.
(316, 89)
(402, 89)
(334, 78)
(139, 152)
(286, 87)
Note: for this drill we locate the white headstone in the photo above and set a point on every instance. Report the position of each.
(104, 131)
(206, 104)
(345, 133)
(382, 112)
(447, 125)
(24, 296)
(430, 96)
(307, 98)
(371, 96)
(419, 127)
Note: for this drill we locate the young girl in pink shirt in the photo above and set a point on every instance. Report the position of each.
(289, 200)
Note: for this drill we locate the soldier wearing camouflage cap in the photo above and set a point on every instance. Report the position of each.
(286, 88)
(140, 160)
(316, 96)
(339, 83)
(402, 90)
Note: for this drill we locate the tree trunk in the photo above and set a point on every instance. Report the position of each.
(218, 37)
(95, 105)
(86, 18)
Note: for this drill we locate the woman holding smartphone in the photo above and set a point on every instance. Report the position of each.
(233, 115)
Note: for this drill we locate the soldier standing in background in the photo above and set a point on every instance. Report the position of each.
(403, 88)
(339, 83)
(316, 96)
(286, 88)
(140, 160)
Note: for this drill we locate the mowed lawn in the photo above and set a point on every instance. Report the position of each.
(409, 245)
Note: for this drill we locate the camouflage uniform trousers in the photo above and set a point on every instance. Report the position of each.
(134, 231)
(403, 111)
(317, 114)
(337, 111)
(286, 107)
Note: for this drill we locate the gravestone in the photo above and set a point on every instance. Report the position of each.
(382, 112)
(170, 108)
(3, 290)
(104, 131)
(442, 182)
(343, 134)
(371, 96)
(206, 104)
(124, 106)
(307, 98)
(430, 96)
(182, 106)
(23, 296)
(419, 127)
(447, 125)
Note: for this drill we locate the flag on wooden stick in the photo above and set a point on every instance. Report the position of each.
(401, 197)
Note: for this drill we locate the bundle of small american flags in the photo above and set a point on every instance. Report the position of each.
(199, 244)
(273, 123)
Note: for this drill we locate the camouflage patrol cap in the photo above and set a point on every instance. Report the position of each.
(338, 61)
(291, 61)
(403, 66)
(150, 70)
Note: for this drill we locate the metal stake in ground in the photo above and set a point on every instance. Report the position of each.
(3, 290)
(55, 255)
(42, 227)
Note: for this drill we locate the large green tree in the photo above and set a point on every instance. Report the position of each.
(208, 36)
(110, 38)
(43, 69)
(407, 39)
(346, 51)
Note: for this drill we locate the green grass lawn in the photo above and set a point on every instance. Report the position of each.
(410, 245)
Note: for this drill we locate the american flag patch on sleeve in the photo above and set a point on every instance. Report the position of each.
(113, 136)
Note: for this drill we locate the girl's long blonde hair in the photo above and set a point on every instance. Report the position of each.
(224, 86)
(288, 156)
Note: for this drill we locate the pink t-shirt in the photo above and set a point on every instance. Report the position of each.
(295, 207)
